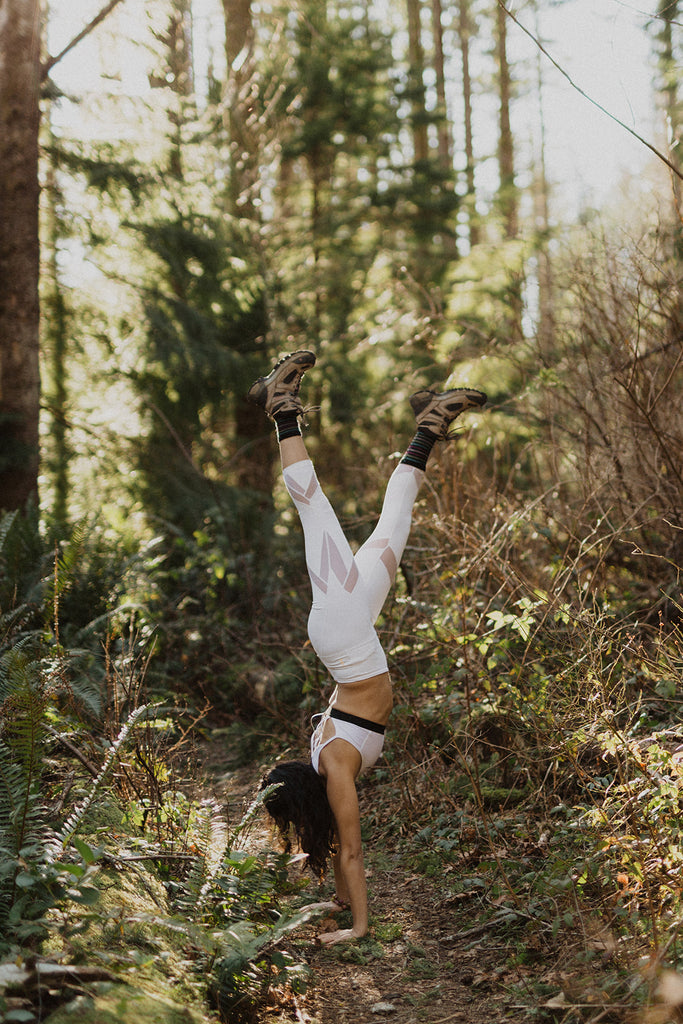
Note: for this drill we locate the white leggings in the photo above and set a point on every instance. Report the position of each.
(349, 590)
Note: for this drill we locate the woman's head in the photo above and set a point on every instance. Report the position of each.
(299, 804)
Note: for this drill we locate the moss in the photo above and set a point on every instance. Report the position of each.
(117, 1003)
(133, 892)
(131, 928)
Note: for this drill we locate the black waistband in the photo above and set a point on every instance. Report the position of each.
(365, 723)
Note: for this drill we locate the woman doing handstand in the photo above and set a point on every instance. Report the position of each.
(319, 799)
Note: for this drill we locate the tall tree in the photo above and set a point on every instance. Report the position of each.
(177, 78)
(443, 124)
(416, 87)
(20, 80)
(244, 123)
(541, 200)
(22, 74)
(465, 31)
(669, 61)
(191, 311)
(507, 196)
(56, 317)
(432, 191)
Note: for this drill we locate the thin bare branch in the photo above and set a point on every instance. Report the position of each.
(51, 61)
(653, 149)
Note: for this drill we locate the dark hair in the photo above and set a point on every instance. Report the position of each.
(300, 805)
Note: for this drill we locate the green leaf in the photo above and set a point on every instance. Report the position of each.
(24, 880)
(87, 852)
(87, 896)
(74, 869)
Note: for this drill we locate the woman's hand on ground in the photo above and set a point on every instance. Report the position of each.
(343, 935)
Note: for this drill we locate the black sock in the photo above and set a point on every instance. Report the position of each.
(419, 448)
(287, 425)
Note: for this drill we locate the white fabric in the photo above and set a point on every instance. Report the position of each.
(367, 742)
(348, 590)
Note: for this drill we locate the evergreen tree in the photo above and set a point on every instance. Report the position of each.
(199, 304)
(337, 138)
(246, 129)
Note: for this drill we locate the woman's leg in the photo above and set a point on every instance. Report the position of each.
(340, 624)
(348, 592)
(379, 557)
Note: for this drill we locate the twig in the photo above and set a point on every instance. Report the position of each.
(73, 750)
(442, 1020)
(115, 858)
(51, 61)
(653, 149)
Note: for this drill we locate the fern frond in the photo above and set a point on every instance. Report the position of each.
(243, 825)
(12, 621)
(22, 721)
(79, 812)
(6, 524)
(82, 683)
(68, 559)
(11, 790)
(21, 820)
(210, 836)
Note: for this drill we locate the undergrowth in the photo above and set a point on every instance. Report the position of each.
(111, 852)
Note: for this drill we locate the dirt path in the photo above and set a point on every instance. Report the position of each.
(425, 959)
(415, 966)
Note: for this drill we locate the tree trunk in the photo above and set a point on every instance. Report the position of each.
(416, 78)
(506, 164)
(239, 50)
(444, 126)
(669, 75)
(255, 468)
(546, 320)
(464, 33)
(55, 339)
(508, 199)
(20, 76)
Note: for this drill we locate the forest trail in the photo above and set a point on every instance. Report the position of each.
(427, 958)
(426, 971)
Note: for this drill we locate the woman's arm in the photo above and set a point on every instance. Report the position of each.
(348, 864)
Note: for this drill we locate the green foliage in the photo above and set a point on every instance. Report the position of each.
(195, 313)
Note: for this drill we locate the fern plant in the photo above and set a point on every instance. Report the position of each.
(41, 862)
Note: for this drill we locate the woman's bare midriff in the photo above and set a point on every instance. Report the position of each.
(368, 698)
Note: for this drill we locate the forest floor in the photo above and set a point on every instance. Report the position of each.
(428, 957)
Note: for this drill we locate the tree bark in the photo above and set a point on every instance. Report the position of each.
(253, 469)
(20, 77)
(541, 200)
(416, 78)
(56, 343)
(506, 162)
(670, 74)
(444, 125)
(464, 33)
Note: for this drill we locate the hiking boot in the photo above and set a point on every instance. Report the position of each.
(435, 411)
(279, 391)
